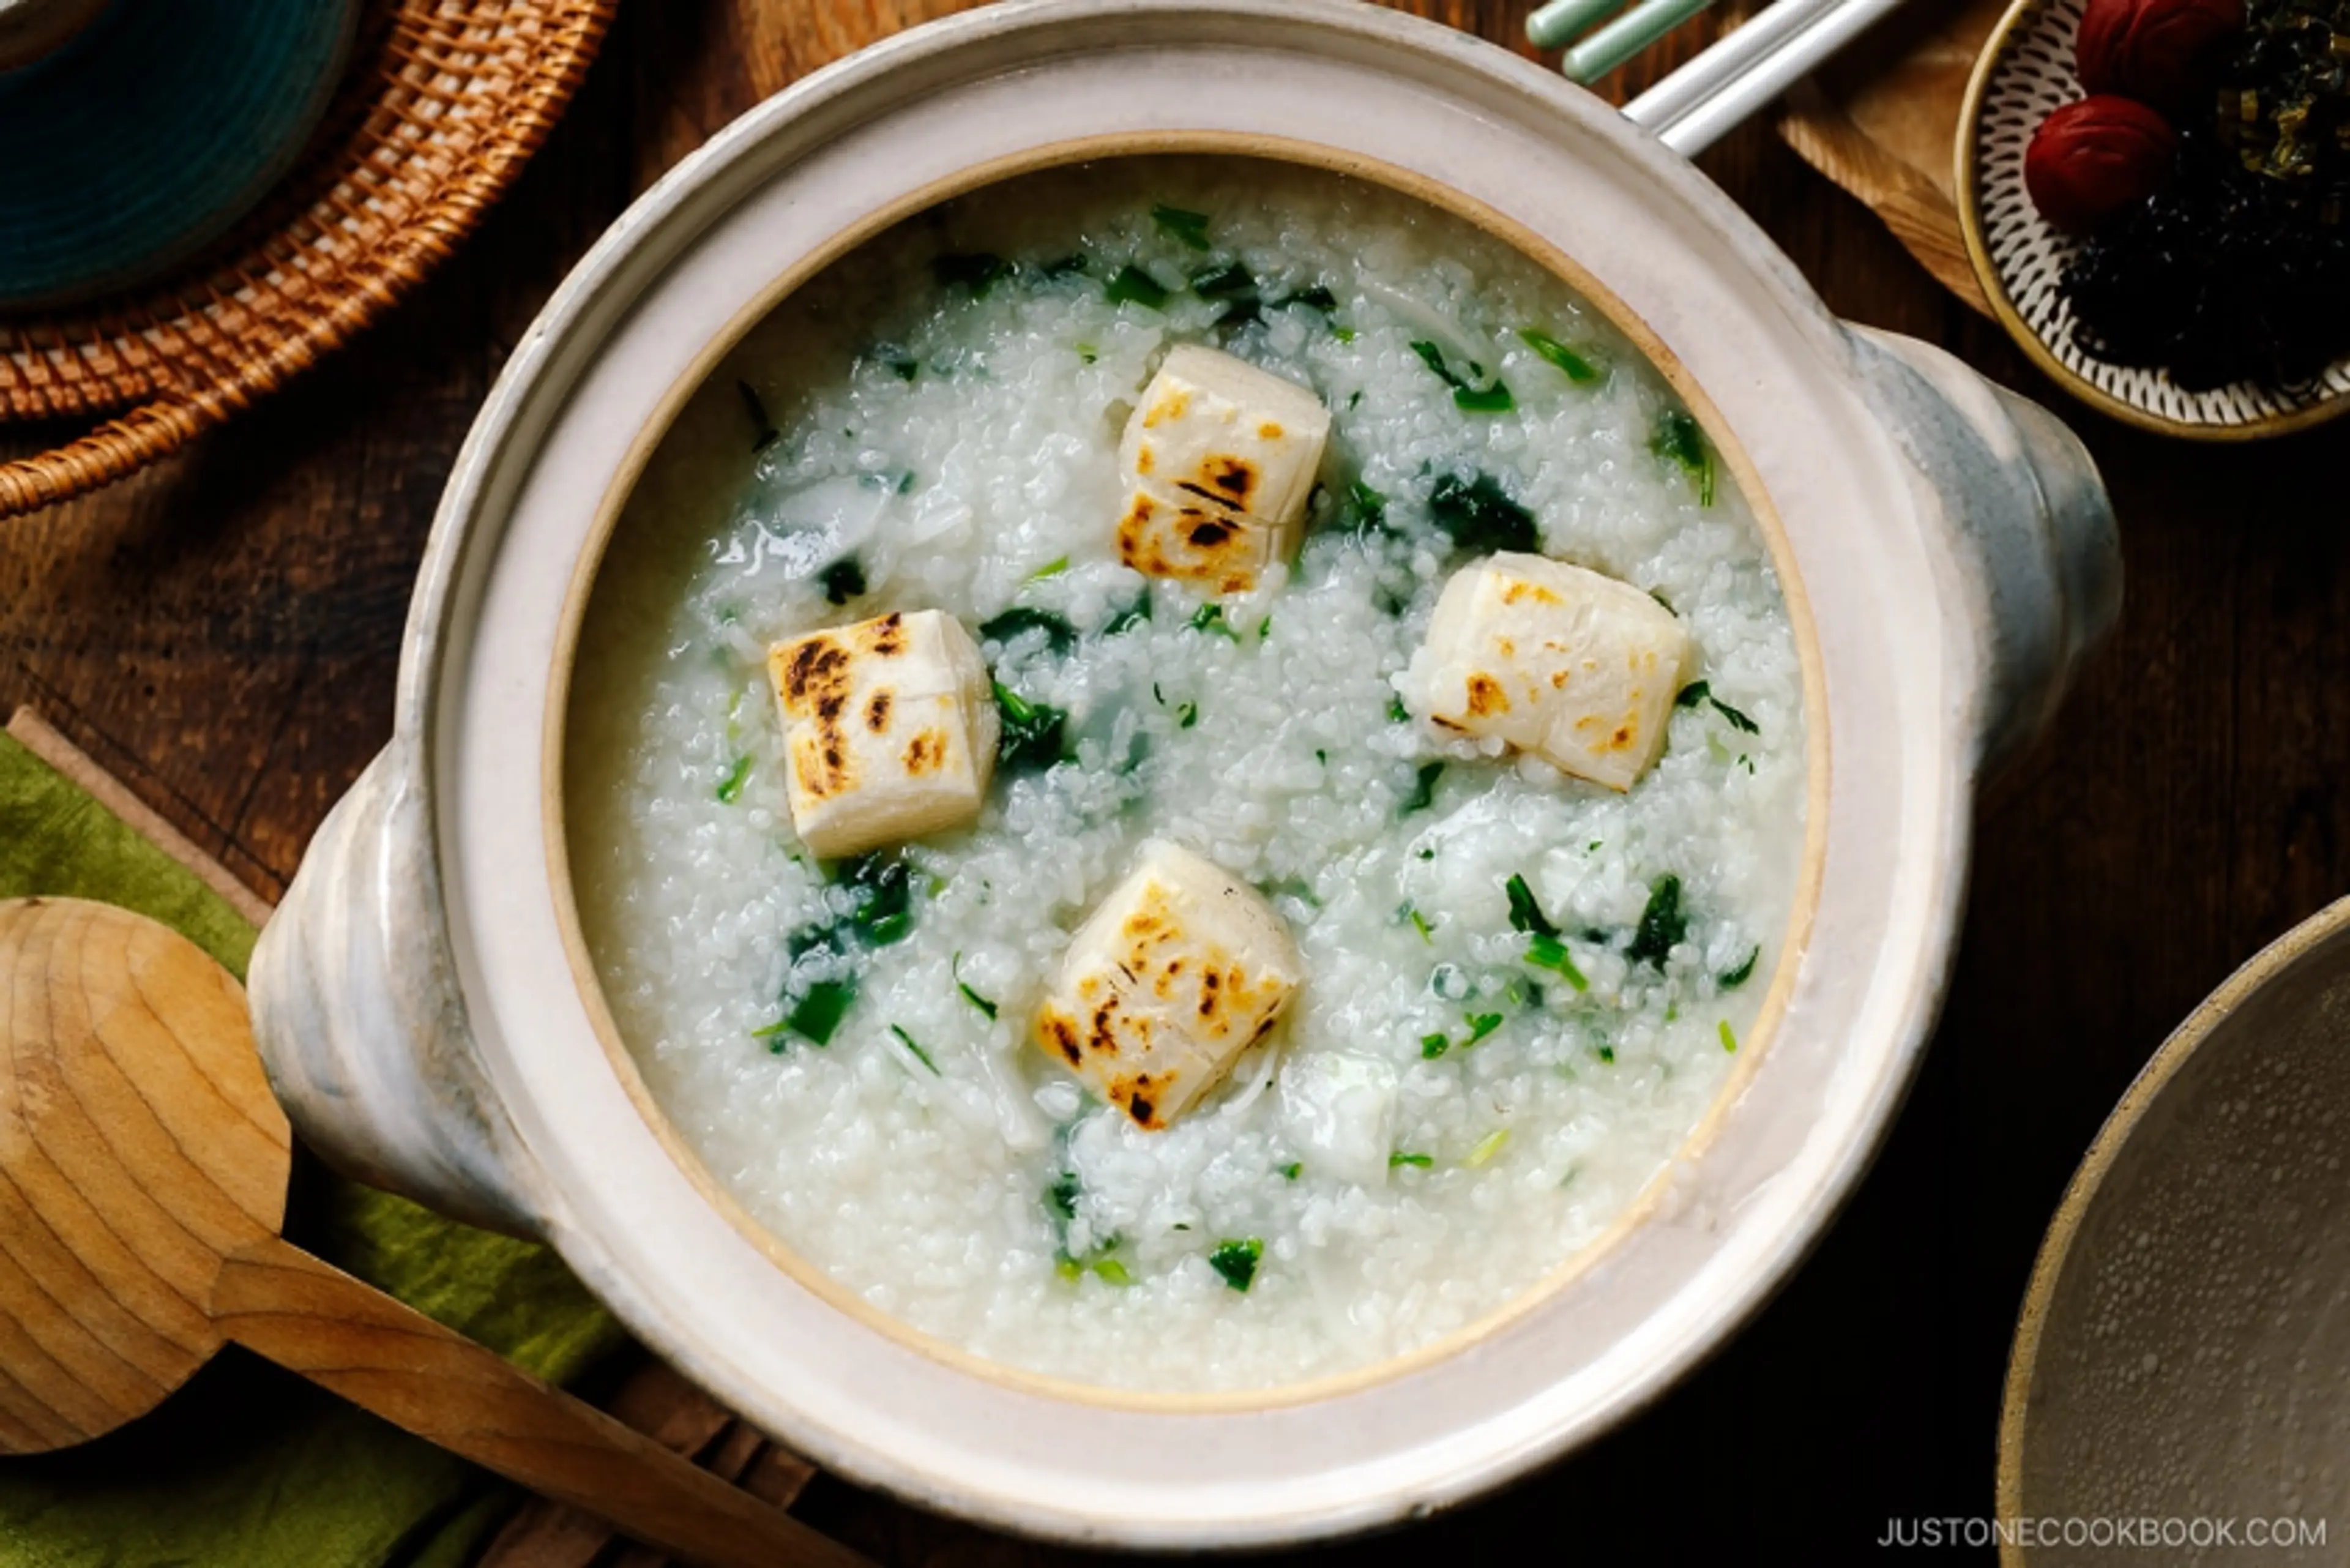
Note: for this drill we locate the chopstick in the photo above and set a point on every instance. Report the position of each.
(1693, 108)
(1627, 36)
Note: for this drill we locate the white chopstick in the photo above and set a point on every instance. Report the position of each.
(1693, 108)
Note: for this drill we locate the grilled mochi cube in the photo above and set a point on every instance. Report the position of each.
(1182, 968)
(889, 730)
(1574, 667)
(1219, 461)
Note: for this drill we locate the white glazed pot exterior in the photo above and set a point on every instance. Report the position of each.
(1948, 556)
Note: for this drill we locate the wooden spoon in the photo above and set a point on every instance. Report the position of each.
(143, 1168)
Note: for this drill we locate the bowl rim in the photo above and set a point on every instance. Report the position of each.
(1966, 161)
(1793, 929)
(2170, 1059)
(1892, 628)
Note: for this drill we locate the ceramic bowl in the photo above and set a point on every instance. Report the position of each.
(2025, 71)
(2184, 1342)
(1948, 556)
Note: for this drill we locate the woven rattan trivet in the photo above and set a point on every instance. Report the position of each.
(443, 102)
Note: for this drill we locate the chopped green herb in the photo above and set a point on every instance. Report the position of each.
(1738, 721)
(1132, 616)
(1573, 366)
(1345, 334)
(1681, 441)
(1416, 1161)
(1433, 357)
(1397, 713)
(1487, 1147)
(1548, 952)
(1526, 913)
(1265, 629)
(1467, 396)
(1423, 789)
(1663, 923)
(976, 271)
(884, 890)
(1480, 517)
(1020, 620)
(1729, 1039)
(1191, 228)
(1187, 715)
(921, 1055)
(1052, 569)
(1069, 1268)
(955, 969)
(1291, 1172)
(1605, 1053)
(1322, 756)
(1031, 734)
(1060, 1198)
(1479, 1026)
(730, 788)
(1420, 923)
(1658, 595)
(1745, 970)
(1432, 1046)
(1067, 266)
(764, 431)
(1229, 281)
(1132, 285)
(1492, 399)
(817, 1015)
(1110, 1272)
(1695, 692)
(1314, 296)
(1237, 1261)
(1366, 509)
(843, 580)
(1210, 617)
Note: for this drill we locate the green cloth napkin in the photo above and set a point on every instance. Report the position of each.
(246, 1466)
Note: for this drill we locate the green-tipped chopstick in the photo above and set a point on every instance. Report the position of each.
(1627, 36)
(1561, 22)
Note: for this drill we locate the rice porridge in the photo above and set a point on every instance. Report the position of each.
(1480, 985)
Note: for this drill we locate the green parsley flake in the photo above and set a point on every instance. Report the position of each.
(1132, 285)
(1548, 952)
(1729, 1040)
(1423, 789)
(1237, 1261)
(1416, 1161)
(1525, 914)
(1573, 366)
(1191, 228)
(1210, 617)
(955, 969)
(1479, 1026)
(1742, 971)
(910, 1044)
(1292, 1171)
(1487, 1147)
(1432, 1046)
(730, 788)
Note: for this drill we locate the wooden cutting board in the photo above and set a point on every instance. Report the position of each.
(1882, 121)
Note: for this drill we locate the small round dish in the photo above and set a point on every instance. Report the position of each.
(2026, 70)
(2180, 1352)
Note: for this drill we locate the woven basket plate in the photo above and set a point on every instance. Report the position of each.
(2026, 71)
(441, 105)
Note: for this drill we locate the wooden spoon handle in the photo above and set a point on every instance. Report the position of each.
(312, 1318)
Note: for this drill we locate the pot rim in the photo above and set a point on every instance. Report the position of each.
(488, 485)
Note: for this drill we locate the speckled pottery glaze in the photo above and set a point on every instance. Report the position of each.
(1947, 557)
(2182, 1347)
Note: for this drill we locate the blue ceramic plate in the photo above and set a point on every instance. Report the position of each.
(151, 132)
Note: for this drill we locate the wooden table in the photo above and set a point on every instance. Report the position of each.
(223, 633)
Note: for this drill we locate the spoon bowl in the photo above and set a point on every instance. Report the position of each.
(143, 1168)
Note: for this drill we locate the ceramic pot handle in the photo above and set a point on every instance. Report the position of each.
(2027, 528)
(361, 1023)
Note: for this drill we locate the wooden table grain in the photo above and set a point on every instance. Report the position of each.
(222, 632)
